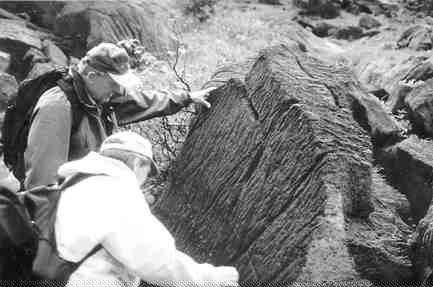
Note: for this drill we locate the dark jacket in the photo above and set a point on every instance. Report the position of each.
(51, 141)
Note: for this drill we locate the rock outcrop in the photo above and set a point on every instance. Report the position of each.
(16, 39)
(277, 179)
(71, 28)
(84, 24)
(419, 104)
(409, 167)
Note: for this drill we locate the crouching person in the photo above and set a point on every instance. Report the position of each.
(107, 210)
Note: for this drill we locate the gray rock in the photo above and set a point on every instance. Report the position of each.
(40, 68)
(418, 38)
(8, 89)
(368, 22)
(348, 33)
(423, 6)
(42, 13)
(419, 103)
(85, 24)
(5, 61)
(324, 8)
(15, 31)
(54, 53)
(16, 39)
(277, 176)
(33, 56)
(375, 7)
(409, 166)
(323, 29)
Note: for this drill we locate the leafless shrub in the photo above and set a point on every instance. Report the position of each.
(166, 133)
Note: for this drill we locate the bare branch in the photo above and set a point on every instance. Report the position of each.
(176, 60)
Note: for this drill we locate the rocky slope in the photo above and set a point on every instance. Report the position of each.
(242, 182)
(314, 163)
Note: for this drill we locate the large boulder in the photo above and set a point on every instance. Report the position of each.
(277, 180)
(367, 110)
(369, 242)
(84, 24)
(419, 104)
(423, 249)
(42, 13)
(16, 39)
(392, 73)
(409, 167)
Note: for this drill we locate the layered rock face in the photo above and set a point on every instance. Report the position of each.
(85, 24)
(277, 179)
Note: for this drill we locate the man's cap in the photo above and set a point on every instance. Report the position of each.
(114, 60)
(134, 143)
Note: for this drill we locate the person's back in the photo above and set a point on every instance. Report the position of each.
(88, 211)
(108, 208)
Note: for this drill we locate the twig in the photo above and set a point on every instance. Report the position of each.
(176, 60)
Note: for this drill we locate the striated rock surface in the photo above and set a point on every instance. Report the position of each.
(418, 38)
(419, 104)
(409, 167)
(277, 179)
(84, 24)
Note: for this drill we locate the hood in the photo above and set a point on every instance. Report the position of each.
(94, 163)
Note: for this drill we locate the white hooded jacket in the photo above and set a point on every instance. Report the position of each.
(109, 209)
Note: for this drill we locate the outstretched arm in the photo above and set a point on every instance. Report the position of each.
(146, 104)
(144, 245)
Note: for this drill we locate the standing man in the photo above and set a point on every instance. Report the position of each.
(105, 92)
(114, 214)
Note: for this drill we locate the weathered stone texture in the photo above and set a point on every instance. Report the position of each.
(84, 24)
(276, 177)
(409, 167)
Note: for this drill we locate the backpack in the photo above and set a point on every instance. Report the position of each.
(27, 229)
(18, 116)
(17, 238)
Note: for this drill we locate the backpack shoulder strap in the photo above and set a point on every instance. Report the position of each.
(47, 263)
(77, 111)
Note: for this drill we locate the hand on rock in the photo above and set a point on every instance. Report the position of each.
(200, 97)
(228, 276)
(149, 198)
